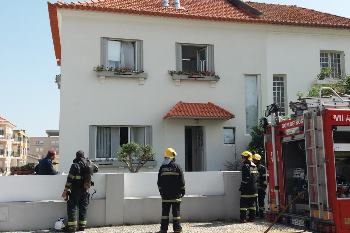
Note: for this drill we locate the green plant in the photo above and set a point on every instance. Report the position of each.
(325, 73)
(341, 86)
(121, 70)
(135, 156)
(194, 73)
(257, 142)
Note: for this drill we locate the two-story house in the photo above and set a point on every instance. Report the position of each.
(192, 75)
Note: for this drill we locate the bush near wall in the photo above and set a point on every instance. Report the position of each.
(27, 169)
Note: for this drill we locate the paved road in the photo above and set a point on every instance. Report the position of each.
(211, 227)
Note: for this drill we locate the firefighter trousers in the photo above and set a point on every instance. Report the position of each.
(248, 205)
(77, 202)
(175, 206)
(261, 202)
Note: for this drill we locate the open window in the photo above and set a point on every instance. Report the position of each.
(122, 54)
(194, 58)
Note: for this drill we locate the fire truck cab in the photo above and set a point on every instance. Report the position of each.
(308, 160)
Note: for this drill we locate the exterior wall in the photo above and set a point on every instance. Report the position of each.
(38, 146)
(119, 200)
(239, 49)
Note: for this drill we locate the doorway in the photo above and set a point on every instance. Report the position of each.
(194, 148)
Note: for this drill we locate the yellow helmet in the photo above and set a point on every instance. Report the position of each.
(257, 157)
(170, 153)
(246, 154)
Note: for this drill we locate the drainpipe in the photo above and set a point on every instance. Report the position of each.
(165, 3)
(177, 4)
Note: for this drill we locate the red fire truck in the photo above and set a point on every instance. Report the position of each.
(308, 160)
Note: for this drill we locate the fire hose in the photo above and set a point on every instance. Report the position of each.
(300, 194)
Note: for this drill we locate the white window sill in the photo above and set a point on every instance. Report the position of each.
(118, 164)
(102, 75)
(194, 77)
(326, 81)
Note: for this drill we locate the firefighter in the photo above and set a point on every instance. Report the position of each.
(248, 188)
(262, 184)
(76, 191)
(171, 185)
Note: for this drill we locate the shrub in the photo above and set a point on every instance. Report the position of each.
(135, 156)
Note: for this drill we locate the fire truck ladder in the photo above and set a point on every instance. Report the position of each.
(315, 151)
(315, 160)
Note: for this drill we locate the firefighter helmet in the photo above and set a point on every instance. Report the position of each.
(170, 153)
(257, 157)
(246, 154)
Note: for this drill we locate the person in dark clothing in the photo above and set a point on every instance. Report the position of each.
(262, 185)
(45, 166)
(248, 188)
(171, 185)
(76, 191)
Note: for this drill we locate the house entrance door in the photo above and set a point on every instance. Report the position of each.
(194, 148)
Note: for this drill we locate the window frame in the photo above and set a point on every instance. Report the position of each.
(234, 135)
(148, 137)
(138, 51)
(329, 58)
(259, 100)
(285, 96)
(209, 56)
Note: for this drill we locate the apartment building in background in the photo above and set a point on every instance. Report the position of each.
(13, 146)
(38, 146)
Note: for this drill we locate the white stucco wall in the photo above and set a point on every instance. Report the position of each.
(239, 49)
(120, 199)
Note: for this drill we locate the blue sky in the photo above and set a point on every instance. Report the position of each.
(29, 97)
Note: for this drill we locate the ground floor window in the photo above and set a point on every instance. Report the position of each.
(105, 141)
(229, 135)
(279, 93)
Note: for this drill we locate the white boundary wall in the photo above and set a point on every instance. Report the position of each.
(34, 202)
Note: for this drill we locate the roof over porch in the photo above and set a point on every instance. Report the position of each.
(198, 111)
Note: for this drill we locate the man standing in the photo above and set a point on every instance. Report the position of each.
(171, 185)
(262, 184)
(45, 166)
(248, 188)
(76, 191)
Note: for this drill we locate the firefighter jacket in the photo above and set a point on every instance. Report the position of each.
(45, 167)
(249, 178)
(75, 177)
(262, 179)
(171, 182)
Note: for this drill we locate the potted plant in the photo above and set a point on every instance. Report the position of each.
(194, 75)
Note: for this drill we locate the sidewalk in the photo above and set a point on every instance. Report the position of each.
(212, 227)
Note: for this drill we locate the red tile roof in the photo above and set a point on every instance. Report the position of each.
(198, 111)
(218, 10)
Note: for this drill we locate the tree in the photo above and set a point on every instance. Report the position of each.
(257, 143)
(135, 156)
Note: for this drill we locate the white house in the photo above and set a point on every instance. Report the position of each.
(195, 75)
